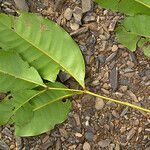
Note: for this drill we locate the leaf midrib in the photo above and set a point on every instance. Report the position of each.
(142, 3)
(30, 81)
(43, 52)
(51, 102)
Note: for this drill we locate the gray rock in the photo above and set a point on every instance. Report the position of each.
(3, 146)
(111, 56)
(104, 143)
(89, 18)
(58, 4)
(63, 76)
(89, 136)
(113, 78)
(79, 31)
(68, 13)
(101, 58)
(86, 5)
(21, 4)
(147, 73)
(77, 13)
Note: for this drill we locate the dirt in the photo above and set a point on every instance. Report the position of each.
(111, 70)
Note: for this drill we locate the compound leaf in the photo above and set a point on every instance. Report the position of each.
(44, 44)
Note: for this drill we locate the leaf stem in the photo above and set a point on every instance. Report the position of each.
(103, 97)
(118, 101)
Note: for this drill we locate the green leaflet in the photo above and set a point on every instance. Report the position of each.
(15, 74)
(47, 110)
(126, 38)
(44, 44)
(147, 51)
(131, 31)
(35, 112)
(129, 7)
(6, 109)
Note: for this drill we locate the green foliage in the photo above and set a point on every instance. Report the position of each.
(43, 44)
(135, 28)
(33, 49)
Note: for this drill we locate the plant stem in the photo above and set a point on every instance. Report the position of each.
(118, 101)
(103, 97)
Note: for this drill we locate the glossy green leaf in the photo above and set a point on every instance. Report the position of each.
(15, 74)
(147, 51)
(134, 31)
(126, 38)
(48, 110)
(129, 7)
(6, 109)
(139, 25)
(44, 44)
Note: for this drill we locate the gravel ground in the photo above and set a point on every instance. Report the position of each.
(111, 70)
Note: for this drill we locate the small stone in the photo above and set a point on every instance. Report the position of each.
(113, 78)
(86, 5)
(132, 96)
(3, 146)
(77, 119)
(111, 57)
(147, 73)
(79, 31)
(130, 134)
(112, 24)
(101, 58)
(123, 88)
(63, 133)
(89, 136)
(74, 26)
(99, 104)
(77, 13)
(114, 48)
(68, 13)
(78, 135)
(86, 146)
(89, 18)
(125, 110)
(117, 147)
(63, 76)
(104, 143)
(22, 5)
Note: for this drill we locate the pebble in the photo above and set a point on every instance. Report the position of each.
(22, 5)
(86, 5)
(123, 88)
(99, 104)
(63, 76)
(74, 26)
(63, 133)
(112, 25)
(132, 96)
(111, 57)
(77, 14)
(68, 13)
(3, 146)
(114, 48)
(101, 58)
(79, 31)
(78, 135)
(89, 136)
(113, 78)
(147, 73)
(89, 18)
(104, 143)
(86, 146)
(130, 134)
(125, 110)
